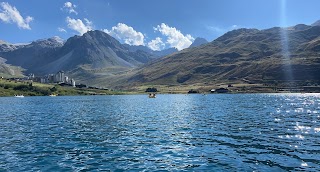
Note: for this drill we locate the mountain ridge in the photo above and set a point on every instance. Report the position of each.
(160, 53)
(198, 41)
(238, 55)
(242, 54)
(94, 49)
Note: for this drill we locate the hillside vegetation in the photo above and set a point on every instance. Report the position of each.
(11, 88)
(241, 56)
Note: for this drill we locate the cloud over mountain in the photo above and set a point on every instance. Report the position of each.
(60, 29)
(174, 37)
(127, 34)
(10, 14)
(156, 44)
(78, 25)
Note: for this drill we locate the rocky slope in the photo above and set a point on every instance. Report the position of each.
(32, 56)
(7, 70)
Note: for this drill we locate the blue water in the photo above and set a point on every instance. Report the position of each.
(218, 132)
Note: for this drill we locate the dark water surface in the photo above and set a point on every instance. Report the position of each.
(220, 132)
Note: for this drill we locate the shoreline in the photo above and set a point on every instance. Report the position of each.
(165, 93)
(11, 88)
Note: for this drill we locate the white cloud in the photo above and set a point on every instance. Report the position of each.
(68, 6)
(127, 34)
(9, 14)
(61, 30)
(174, 37)
(78, 25)
(156, 44)
(235, 26)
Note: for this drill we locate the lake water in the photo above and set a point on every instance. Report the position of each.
(217, 132)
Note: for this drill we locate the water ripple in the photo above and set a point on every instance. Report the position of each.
(250, 132)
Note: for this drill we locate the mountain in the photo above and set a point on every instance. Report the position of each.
(95, 49)
(5, 46)
(244, 54)
(80, 56)
(197, 42)
(134, 48)
(165, 52)
(161, 53)
(317, 23)
(32, 56)
(9, 70)
(258, 56)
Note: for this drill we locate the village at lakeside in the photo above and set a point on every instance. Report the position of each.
(59, 85)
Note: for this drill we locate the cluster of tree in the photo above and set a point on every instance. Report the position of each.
(192, 91)
(151, 89)
(5, 86)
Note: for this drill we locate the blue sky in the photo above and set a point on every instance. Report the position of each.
(157, 24)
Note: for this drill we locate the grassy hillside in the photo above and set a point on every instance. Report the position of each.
(11, 88)
(251, 55)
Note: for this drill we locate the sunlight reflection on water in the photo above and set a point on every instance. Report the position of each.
(246, 132)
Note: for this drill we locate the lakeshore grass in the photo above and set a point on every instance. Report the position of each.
(11, 88)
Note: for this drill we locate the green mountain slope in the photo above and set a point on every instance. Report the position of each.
(243, 54)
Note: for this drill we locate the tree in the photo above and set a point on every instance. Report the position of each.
(53, 89)
(151, 89)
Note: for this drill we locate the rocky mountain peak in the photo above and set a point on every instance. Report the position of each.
(97, 38)
(57, 39)
(300, 27)
(5, 46)
(50, 42)
(198, 41)
(234, 33)
(317, 23)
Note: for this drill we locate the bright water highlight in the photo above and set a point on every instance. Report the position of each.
(218, 132)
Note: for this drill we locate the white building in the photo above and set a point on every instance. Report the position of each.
(73, 83)
(66, 79)
(59, 77)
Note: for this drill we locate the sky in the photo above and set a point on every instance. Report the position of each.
(158, 24)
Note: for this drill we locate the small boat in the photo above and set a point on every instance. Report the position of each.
(19, 96)
(152, 95)
(52, 95)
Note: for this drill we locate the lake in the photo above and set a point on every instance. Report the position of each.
(216, 132)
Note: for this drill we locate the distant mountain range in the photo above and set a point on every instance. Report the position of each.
(240, 55)
(94, 50)
(162, 53)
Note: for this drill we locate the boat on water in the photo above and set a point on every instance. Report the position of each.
(19, 96)
(152, 95)
(52, 95)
